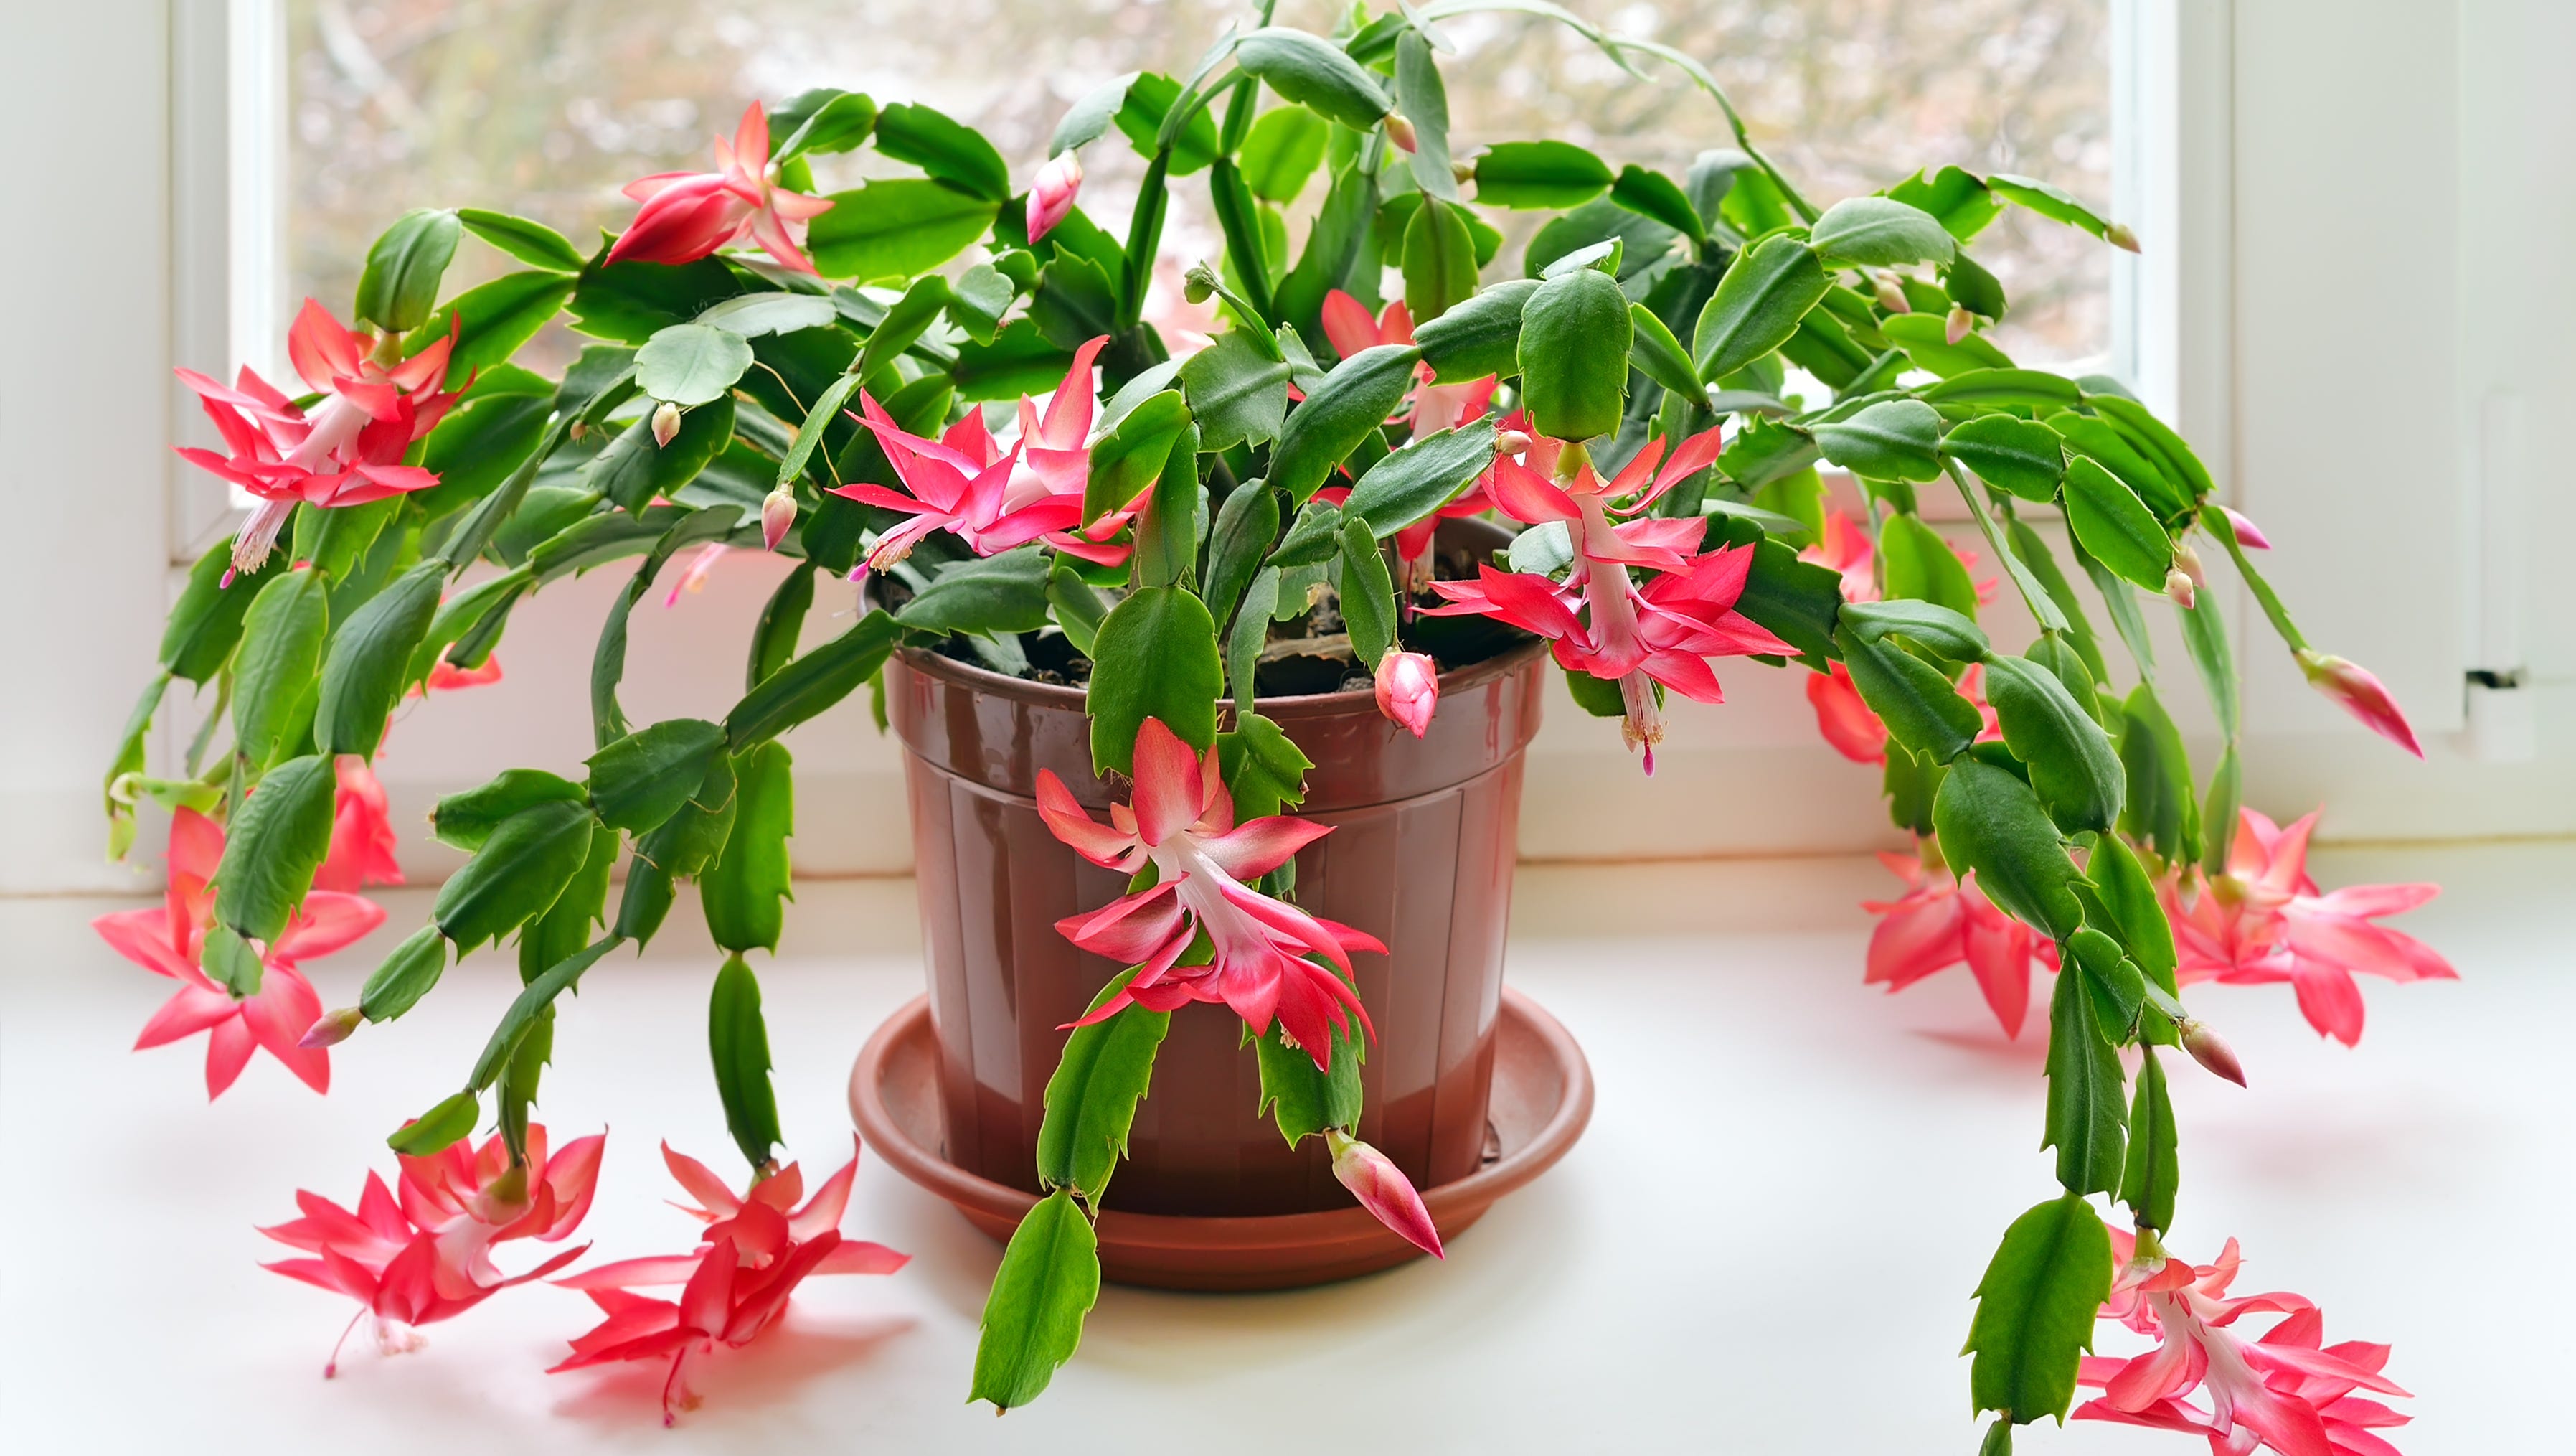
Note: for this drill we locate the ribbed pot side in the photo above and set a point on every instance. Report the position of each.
(1420, 856)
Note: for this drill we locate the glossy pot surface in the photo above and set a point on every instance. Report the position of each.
(1421, 854)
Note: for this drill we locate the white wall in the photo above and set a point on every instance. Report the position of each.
(2356, 220)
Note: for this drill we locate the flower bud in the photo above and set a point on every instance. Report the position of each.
(1198, 285)
(1511, 442)
(666, 424)
(1051, 195)
(1400, 132)
(1961, 324)
(331, 1028)
(1408, 689)
(777, 515)
(2178, 586)
(2187, 561)
(1891, 293)
(2354, 689)
(1464, 172)
(2248, 535)
(1383, 1190)
(2212, 1051)
(2119, 236)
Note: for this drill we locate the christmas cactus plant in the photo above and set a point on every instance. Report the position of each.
(949, 389)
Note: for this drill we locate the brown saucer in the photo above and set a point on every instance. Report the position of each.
(1542, 1099)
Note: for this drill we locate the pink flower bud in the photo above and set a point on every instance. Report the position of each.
(2178, 586)
(2248, 535)
(1408, 688)
(1383, 1190)
(1400, 132)
(2212, 1051)
(2119, 236)
(1051, 195)
(1891, 293)
(1961, 324)
(777, 514)
(2187, 561)
(666, 423)
(331, 1028)
(1511, 442)
(2360, 694)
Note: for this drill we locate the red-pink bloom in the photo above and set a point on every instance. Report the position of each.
(347, 452)
(363, 843)
(2357, 692)
(445, 676)
(1408, 689)
(1430, 407)
(428, 1256)
(1661, 633)
(1268, 959)
(693, 577)
(1383, 1190)
(2265, 920)
(1051, 195)
(2288, 1391)
(687, 215)
(992, 497)
(1843, 718)
(757, 1248)
(1845, 548)
(168, 940)
(1944, 920)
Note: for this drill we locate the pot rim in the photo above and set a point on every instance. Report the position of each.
(984, 680)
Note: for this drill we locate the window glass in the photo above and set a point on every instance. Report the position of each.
(547, 107)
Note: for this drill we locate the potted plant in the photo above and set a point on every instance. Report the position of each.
(1206, 659)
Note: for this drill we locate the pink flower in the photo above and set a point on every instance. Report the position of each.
(1846, 548)
(2265, 920)
(167, 942)
(445, 676)
(1843, 718)
(693, 577)
(1051, 195)
(1383, 1190)
(1663, 632)
(363, 842)
(687, 215)
(1945, 920)
(2353, 689)
(1408, 688)
(428, 1256)
(1267, 957)
(994, 498)
(757, 1248)
(1430, 407)
(347, 452)
(2287, 1391)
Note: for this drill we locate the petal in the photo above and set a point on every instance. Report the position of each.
(823, 1210)
(329, 921)
(1526, 496)
(629, 1273)
(188, 1011)
(277, 1017)
(143, 937)
(1258, 846)
(857, 1256)
(228, 1048)
(1347, 325)
(1069, 411)
(714, 1198)
(1067, 821)
(1167, 782)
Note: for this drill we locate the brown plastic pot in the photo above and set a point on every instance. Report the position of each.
(1421, 854)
